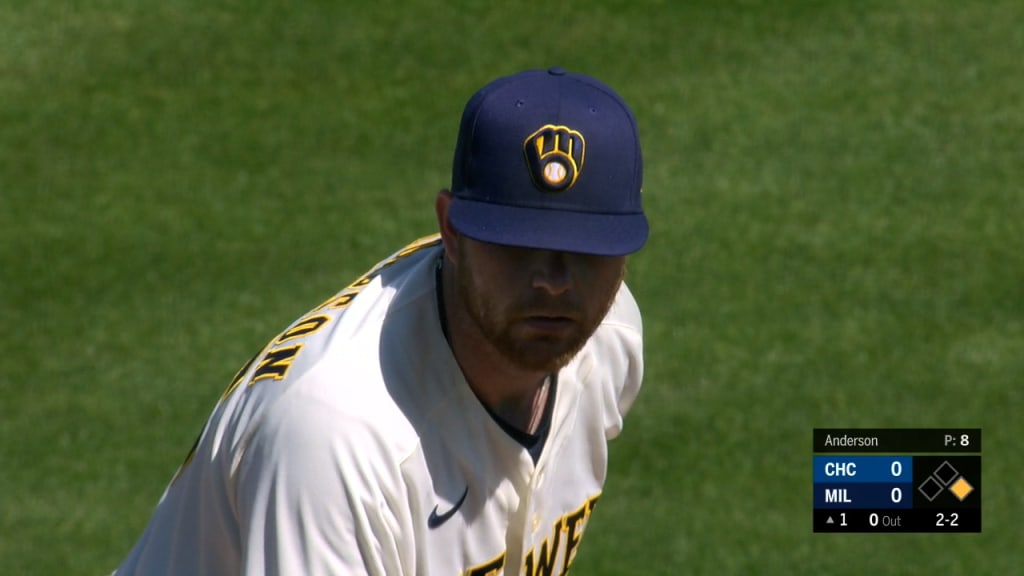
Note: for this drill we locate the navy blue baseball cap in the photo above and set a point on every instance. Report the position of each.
(549, 159)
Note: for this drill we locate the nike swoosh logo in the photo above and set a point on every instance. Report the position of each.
(435, 519)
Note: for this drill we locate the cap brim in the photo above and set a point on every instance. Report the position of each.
(549, 229)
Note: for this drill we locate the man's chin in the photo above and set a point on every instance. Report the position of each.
(542, 355)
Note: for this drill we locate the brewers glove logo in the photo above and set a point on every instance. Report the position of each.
(555, 157)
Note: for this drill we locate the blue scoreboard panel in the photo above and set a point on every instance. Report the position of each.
(897, 480)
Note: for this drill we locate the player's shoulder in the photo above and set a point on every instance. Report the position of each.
(611, 364)
(617, 343)
(332, 361)
(624, 312)
(346, 407)
(338, 404)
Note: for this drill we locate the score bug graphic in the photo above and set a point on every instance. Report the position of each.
(897, 480)
(864, 481)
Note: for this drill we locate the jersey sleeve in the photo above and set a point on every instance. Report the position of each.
(618, 355)
(317, 495)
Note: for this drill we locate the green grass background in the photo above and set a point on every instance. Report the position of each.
(836, 192)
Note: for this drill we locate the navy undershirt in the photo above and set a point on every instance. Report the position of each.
(534, 443)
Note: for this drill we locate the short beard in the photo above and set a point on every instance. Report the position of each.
(538, 354)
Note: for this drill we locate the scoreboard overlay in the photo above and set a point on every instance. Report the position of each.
(897, 479)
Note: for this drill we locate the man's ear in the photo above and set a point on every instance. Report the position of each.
(449, 235)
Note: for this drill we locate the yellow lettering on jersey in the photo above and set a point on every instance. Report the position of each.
(419, 244)
(492, 567)
(361, 282)
(544, 563)
(572, 524)
(239, 377)
(304, 327)
(412, 248)
(573, 527)
(338, 302)
(276, 363)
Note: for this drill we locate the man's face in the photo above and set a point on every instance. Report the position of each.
(536, 307)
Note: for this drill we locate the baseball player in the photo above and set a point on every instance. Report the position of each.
(448, 412)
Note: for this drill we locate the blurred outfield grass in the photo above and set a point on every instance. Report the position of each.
(836, 192)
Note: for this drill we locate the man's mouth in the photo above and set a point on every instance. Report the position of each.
(549, 324)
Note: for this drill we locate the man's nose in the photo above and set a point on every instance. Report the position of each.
(552, 272)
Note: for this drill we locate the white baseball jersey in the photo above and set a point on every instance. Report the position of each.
(352, 444)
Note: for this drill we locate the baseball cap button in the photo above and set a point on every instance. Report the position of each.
(556, 71)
